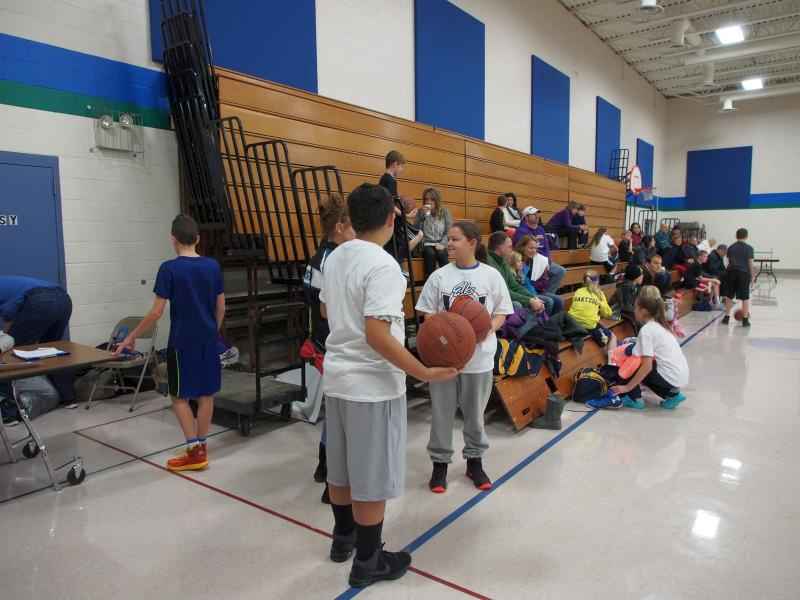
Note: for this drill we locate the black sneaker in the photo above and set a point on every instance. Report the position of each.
(438, 482)
(381, 566)
(726, 319)
(476, 473)
(343, 546)
(746, 322)
(326, 499)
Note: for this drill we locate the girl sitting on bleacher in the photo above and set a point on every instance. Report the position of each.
(535, 273)
(664, 368)
(589, 305)
(603, 250)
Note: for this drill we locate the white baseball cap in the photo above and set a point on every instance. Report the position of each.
(529, 210)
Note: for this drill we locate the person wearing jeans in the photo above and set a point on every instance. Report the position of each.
(434, 221)
(532, 226)
(33, 311)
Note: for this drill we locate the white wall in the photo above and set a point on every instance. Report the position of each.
(772, 127)
(116, 209)
(356, 70)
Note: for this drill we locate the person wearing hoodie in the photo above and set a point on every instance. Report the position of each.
(561, 223)
(531, 225)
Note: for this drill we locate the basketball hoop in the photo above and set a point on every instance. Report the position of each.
(634, 180)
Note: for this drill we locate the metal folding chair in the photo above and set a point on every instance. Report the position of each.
(120, 331)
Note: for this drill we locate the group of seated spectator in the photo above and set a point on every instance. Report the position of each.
(570, 222)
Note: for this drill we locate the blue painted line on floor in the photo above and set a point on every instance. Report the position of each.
(507, 476)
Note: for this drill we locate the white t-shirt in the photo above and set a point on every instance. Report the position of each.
(539, 266)
(481, 283)
(600, 251)
(659, 343)
(361, 280)
(509, 219)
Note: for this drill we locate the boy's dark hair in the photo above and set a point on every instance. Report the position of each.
(184, 229)
(741, 233)
(501, 200)
(369, 206)
(332, 212)
(394, 157)
(497, 239)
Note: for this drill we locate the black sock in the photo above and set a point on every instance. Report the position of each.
(368, 540)
(343, 519)
(322, 453)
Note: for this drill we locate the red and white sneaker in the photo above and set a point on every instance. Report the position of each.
(195, 459)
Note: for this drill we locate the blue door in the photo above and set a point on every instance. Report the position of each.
(31, 238)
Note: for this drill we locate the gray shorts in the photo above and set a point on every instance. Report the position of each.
(366, 447)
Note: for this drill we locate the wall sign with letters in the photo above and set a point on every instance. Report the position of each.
(9, 221)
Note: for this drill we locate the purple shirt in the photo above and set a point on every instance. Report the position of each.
(537, 232)
(561, 220)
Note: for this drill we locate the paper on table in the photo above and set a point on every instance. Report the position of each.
(38, 353)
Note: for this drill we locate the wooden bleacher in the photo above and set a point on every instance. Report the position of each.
(469, 173)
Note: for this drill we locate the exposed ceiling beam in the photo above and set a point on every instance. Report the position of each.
(664, 21)
(749, 48)
(678, 90)
(760, 66)
(775, 90)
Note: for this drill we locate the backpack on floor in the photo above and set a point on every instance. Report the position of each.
(589, 384)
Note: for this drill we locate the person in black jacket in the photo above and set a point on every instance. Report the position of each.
(674, 256)
(715, 266)
(626, 294)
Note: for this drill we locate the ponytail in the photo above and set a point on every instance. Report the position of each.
(472, 233)
(650, 300)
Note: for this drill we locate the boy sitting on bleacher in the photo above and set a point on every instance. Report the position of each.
(500, 250)
(715, 266)
(694, 279)
(626, 294)
(662, 238)
(561, 224)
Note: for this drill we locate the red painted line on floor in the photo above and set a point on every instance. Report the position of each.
(269, 511)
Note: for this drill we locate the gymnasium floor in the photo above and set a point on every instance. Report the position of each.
(697, 503)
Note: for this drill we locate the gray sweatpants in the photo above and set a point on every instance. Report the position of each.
(470, 392)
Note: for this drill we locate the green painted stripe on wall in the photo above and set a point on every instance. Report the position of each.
(42, 98)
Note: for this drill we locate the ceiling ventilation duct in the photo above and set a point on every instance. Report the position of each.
(649, 8)
(677, 36)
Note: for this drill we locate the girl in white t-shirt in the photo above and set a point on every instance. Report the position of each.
(664, 368)
(603, 250)
(470, 390)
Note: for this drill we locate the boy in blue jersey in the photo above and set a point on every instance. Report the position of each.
(193, 286)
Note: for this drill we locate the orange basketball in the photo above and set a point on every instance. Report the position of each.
(445, 340)
(474, 312)
(738, 315)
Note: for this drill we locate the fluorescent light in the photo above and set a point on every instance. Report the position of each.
(705, 525)
(732, 463)
(730, 35)
(753, 84)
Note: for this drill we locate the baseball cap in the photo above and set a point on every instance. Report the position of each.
(632, 272)
(529, 210)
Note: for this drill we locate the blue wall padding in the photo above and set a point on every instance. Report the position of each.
(644, 158)
(719, 178)
(607, 134)
(43, 65)
(449, 66)
(549, 111)
(270, 39)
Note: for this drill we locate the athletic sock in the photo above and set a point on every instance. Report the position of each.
(190, 443)
(368, 540)
(343, 519)
(201, 440)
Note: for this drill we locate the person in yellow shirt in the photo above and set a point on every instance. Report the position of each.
(589, 305)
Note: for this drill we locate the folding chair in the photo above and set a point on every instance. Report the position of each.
(121, 330)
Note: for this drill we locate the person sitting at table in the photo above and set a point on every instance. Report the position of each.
(34, 311)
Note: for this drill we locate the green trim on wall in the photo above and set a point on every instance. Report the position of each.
(41, 98)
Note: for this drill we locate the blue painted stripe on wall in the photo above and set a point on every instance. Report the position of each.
(718, 178)
(550, 104)
(270, 39)
(607, 134)
(644, 158)
(43, 65)
(449, 64)
(757, 201)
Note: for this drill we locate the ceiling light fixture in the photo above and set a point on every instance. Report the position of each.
(730, 35)
(727, 106)
(755, 83)
(708, 75)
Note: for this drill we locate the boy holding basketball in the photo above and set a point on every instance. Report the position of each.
(471, 389)
(737, 279)
(365, 393)
(193, 286)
